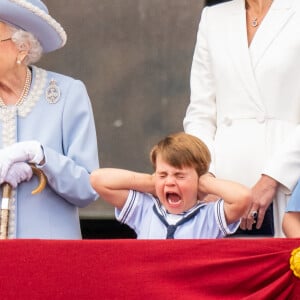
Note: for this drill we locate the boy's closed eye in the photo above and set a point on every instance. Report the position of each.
(161, 175)
(180, 176)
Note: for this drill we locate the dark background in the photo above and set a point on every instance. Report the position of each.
(134, 57)
(213, 2)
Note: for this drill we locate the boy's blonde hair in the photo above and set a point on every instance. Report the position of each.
(182, 150)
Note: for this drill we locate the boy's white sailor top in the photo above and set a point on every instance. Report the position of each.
(149, 219)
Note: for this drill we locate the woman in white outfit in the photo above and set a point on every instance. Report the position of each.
(245, 98)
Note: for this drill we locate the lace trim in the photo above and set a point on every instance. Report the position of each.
(46, 17)
(7, 116)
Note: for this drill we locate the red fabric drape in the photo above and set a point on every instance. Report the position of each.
(140, 269)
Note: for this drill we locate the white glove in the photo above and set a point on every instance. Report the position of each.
(29, 151)
(17, 173)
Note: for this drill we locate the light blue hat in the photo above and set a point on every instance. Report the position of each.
(33, 16)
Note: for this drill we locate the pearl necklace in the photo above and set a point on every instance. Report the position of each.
(25, 90)
(254, 22)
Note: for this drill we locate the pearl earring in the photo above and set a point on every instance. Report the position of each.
(18, 62)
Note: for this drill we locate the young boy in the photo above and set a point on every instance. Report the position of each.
(291, 218)
(168, 204)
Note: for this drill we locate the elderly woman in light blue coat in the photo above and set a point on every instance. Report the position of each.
(46, 119)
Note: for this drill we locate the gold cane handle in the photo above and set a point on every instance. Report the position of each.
(42, 179)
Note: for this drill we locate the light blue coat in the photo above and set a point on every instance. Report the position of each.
(67, 133)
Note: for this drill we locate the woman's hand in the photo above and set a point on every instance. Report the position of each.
(18, 173)
(29, 151)
(263, 193)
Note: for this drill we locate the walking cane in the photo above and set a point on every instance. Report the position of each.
(6, 196)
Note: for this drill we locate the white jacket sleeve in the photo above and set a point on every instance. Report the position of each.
(200, 119)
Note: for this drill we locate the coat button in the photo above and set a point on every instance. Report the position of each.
(227, 121)
(260, 118)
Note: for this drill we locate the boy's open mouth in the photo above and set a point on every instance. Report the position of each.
(173, 199)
